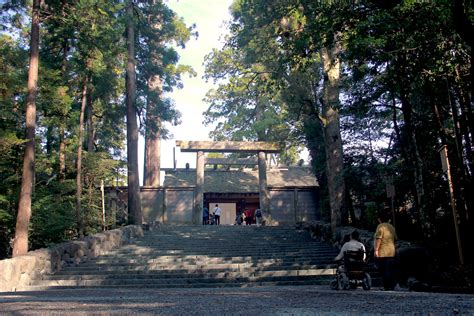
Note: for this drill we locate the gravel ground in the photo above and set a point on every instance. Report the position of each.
(300, 300)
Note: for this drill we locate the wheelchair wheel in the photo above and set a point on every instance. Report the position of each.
(367, 282)
(344, 283)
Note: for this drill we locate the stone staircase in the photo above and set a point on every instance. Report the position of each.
(204, 256)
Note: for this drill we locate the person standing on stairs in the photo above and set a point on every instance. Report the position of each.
(248, 217)
(205, 216)
(217, 214)
(258, 217)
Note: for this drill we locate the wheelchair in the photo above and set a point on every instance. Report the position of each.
(351, 272)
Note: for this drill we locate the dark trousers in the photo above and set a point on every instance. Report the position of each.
(217, 219)
(386, 267)
(205, 220)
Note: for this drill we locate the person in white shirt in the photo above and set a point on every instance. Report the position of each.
(352, 245)
(217, 214)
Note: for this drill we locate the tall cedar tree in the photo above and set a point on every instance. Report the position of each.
(134, 201)
(20, 243)
(153, 121)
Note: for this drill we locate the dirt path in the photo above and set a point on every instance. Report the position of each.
(302, 300)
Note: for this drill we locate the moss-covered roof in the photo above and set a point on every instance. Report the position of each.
(235, 181)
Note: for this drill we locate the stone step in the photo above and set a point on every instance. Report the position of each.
(273, 262)
(223, 248)
(210, 261)
(193, 256)
(222, 253)
(261, 234)
(315, 281)
(168, 244)
(185, 274)
(243, 251)
(239, 247)
(235, 250)
(156, 280)
(222, 239)
(144, 259)
(214, 266)
(184, 269)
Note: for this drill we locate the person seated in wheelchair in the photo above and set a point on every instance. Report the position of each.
(353, 248)
(350, 272)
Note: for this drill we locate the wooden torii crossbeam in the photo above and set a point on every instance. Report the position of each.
(230, 161)
(200, 147)
(228, 146)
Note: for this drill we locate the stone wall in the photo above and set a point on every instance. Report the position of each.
(292, 205)
(152, 204)
(17, 273)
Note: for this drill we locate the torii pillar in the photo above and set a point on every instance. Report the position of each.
(199, 199)
(260, 148)
(262, 183)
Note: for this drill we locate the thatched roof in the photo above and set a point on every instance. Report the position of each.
(233, 181)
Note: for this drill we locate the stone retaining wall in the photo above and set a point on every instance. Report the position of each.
(17, 273)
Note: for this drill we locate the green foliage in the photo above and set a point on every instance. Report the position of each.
(247, 105)
(53, 215)
(79, 39)
(100, 165)
(371, 214)
(158, 27)
(406, 88)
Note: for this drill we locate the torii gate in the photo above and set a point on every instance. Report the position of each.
(200, 147)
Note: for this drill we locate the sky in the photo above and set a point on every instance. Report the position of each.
(209, 17)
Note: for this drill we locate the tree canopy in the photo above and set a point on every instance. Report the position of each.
(82, 58)
(396, 75)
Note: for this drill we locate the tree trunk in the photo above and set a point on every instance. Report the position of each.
(89, 178)
(314, 136)
(153, 121)
(396, 128)
(332, 135)
(62, 124)
(134, 202)
(259, 115)
(152, 157)
(414, 158)
(466, 124)
(460, 180)
(49, 140)
(20, 243)
(79, 217)
(62, 153)
(465, 28)
(90, 124)
(152, 136)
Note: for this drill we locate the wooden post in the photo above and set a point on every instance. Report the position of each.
(163, 217)
(104, 224)
(199, 198)
(262, 183)
(295, 206)
(113, 206)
